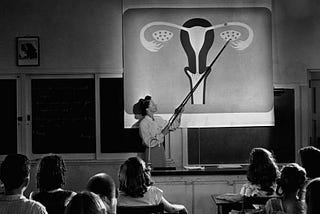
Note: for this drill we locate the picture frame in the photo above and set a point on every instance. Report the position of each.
(28, 51)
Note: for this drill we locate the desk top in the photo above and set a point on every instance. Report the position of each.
(208, 170)
(230, 198)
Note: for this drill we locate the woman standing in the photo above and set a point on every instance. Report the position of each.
(153, 130)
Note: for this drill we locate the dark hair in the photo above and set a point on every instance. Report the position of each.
(85, 202)
(15, 169)
(103, 185)
(50, 173)
(263, 169)
(134, 177)
(309, 156)
(292, 178)
(144, 104)
(312, 196)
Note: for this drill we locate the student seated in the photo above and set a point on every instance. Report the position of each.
(291, 181)
(15, 175)
(262, 174)
(309, 155)
(50, 180)
(103, 185)
(86, 202)
(312, 196)
(136, 187)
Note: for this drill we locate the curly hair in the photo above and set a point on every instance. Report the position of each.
(263, 169)
(134, 177)
(50, 175)
(144, 104)
(292, 178)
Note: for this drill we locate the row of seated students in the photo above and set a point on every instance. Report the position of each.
(100, 196)
(295, 187)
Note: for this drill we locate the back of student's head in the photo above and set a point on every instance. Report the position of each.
(263, 169)
(310, 156)
(50, 175)
(312, 196)
(15, 170)
(103, 185)
(292, 179)
(85, 203)
(134, 177)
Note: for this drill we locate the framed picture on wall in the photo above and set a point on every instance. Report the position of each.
(28, 51)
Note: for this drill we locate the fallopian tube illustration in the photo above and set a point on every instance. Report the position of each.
(196, 37)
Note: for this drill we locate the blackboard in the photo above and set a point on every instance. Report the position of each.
(232, 145)
(8, 107)
(63, 115)
(64, 120)
(114, 137)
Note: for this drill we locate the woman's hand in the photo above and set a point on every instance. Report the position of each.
(166, 130)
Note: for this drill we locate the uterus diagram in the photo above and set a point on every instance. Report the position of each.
(197, 36)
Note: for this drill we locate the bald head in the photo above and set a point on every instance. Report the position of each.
(103, 185)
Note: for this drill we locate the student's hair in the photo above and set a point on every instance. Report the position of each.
(50, 173)
(309, 156)
(85, 202)
(15, 169)
(292, 179)
(103, 185)
(312, 196)
(263, 169)
(134, 177)
(144, 104)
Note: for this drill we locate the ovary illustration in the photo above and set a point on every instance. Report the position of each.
(196, 36)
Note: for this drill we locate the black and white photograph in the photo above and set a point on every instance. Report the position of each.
(160, 107)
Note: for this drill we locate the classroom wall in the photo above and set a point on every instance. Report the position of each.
(75, 36)
(86, 37)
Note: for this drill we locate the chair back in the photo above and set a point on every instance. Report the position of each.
(147, 209)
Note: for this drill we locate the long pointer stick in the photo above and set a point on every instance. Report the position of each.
(184, 102)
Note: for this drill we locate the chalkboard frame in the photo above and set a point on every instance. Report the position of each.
(97, 155)
(297, 128)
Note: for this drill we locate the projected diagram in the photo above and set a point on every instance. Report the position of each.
(168, 50)
(197, 36)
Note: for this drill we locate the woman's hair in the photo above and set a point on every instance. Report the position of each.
(309, 156)
(50, 174)
(103, 185)
(85, 202)
(263, 169)
(134, 177)
(292, 178)
(144, 104)
(312, 196)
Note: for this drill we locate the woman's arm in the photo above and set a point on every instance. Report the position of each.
(173, 208)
